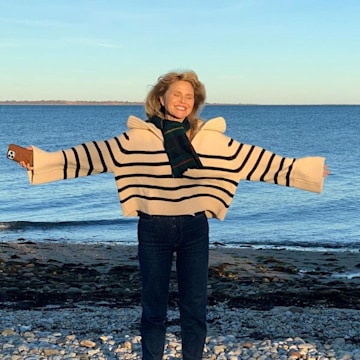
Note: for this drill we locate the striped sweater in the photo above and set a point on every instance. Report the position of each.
(143, 176)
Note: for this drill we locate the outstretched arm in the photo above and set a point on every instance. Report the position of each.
(238, 161)
(257, 164)
(82, 160)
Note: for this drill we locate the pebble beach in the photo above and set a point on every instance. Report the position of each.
(78, 301)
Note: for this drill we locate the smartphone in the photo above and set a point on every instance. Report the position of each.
(18, 153)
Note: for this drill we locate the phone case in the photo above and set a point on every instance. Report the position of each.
(18, 153)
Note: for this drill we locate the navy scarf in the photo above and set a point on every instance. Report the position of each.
(182, 155)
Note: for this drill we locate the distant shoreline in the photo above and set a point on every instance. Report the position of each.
(132, 103)
(65, 102)
(80, 102)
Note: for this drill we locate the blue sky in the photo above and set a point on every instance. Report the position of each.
(244, 51)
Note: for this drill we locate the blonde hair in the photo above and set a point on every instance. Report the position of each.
(153, 106)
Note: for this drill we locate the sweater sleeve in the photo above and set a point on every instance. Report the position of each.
(258, 164)
(236, 161)
(82, 160)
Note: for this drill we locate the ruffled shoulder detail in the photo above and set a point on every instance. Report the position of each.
(134, 122)
(215, 124)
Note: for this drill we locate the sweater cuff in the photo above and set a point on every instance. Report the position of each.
(308, 174)
(47, 166)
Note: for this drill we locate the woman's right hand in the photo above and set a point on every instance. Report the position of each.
(25, 165)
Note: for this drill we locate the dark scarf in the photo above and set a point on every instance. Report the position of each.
(182, 155)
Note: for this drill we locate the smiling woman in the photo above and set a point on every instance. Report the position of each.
(178, 101)
(182, 92)
(169, 173)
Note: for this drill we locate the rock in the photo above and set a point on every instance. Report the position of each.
(87, 343)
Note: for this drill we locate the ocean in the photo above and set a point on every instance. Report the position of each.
(87, 210)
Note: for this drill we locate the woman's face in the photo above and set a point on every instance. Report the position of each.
(178, 100)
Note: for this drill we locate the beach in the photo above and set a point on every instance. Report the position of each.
(328, 278)
(285, 295)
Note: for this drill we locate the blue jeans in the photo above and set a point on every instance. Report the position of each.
(159, 238)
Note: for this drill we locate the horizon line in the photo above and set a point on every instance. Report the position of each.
(119, 102)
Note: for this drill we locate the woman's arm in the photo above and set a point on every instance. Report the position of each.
(86, 159)
(228, 158)
(258, 164)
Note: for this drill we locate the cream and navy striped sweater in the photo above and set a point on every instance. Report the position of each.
(143, 174)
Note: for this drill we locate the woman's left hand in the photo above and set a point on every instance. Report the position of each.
(326, 171)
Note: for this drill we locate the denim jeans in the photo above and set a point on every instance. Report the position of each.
(160, 237)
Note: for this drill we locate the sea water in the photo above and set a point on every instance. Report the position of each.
(261, 215)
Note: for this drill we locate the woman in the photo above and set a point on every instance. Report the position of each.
(175, 171)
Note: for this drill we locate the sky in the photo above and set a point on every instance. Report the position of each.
(244, 51)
